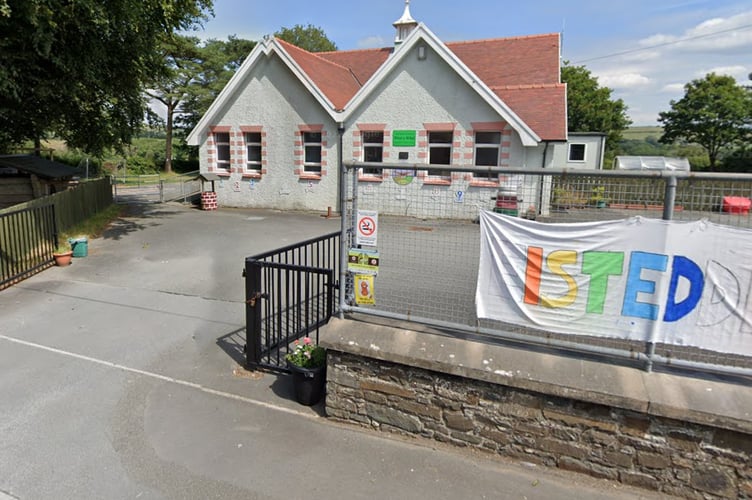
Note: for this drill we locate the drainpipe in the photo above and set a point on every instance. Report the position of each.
(343, 240)
(539, 208)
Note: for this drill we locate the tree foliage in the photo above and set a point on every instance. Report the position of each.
(590, 107)
(310, 38)
(193, 75)
(715, 113)
(77, 69)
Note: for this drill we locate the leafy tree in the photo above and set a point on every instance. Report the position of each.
(193, 74)
(218, 62)
(77, 69)
(590, 107)
(309, 38)
(715, 113)
(182, 61)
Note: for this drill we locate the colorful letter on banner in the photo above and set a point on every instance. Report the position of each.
(682, 283)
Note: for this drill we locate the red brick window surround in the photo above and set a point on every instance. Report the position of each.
(441, 148)
(490, 149)
(369, 142)
(254, 141)
(310, 151)
(219, 149)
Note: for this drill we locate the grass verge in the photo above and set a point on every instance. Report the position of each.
(94, 226)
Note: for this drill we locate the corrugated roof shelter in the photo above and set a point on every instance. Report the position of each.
(651, 163)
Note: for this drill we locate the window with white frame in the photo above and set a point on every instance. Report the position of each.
(222, 143)
(487, 152)
(440, 151)
(576, 152)
(312, 152)
(373, 150)
(253, 151)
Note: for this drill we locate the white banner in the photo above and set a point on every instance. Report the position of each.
(681, 283)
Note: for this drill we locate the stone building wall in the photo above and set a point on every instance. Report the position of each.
(658, 453)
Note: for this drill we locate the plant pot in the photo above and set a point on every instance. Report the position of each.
(63, 259)
(308, 383)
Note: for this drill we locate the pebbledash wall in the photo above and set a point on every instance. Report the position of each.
(680, 436)
(419, 96)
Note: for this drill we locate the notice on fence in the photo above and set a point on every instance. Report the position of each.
(680, 283)
(367, 230)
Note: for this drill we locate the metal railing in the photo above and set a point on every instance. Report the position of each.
(27, 239)
(290, 293)
(428, 242)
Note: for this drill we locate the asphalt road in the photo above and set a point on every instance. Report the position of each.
(120, 379)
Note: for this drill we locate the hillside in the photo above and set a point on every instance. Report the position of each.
(641, 133)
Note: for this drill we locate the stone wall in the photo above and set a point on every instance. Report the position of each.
(673, 456)
(689, 436)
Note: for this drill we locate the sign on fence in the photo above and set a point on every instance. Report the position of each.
(681, 283)
(367, 230)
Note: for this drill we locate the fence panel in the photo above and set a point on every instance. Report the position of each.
(27, 239)
(74, 205)
(428, 241)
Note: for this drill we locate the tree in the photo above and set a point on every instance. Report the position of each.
(181, 63)
(308, 38)
(77, 69)
(715, 113)
(193, 75)
(590, 107)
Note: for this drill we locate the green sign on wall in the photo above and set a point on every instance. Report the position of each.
(403, 138)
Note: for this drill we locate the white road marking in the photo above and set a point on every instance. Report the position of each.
(157, 376)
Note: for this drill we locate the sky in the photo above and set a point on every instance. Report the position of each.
(644, 50)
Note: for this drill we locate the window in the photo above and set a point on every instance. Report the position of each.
(440, 151)
(373, 150)
(312, 152)
(576, 152)
(222, 141)
(253, 150)
(487, 149)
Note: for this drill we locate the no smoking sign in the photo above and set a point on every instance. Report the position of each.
(367, 227)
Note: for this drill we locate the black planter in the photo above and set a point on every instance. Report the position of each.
(308, 383)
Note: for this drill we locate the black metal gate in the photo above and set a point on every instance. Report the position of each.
(290, 294)
(27, 239)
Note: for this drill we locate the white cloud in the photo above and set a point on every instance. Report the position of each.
(623, 80)
(712, 35)
(738, 72)
(673, 88)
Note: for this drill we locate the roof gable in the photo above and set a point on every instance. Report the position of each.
(519, 77)
(336, 81)
(362, 63)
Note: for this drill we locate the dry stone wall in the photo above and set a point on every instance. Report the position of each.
(671, 456)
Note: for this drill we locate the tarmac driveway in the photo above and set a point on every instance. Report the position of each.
(119, 378)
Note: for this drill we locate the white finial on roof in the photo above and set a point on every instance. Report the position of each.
(404, 25)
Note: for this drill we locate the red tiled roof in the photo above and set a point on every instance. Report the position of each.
(522, 71)
(363, 63)
(524, 60)
(336, 82)
(542, 107)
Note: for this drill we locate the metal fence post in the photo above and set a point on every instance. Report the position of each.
(252, 313)
(669, 200)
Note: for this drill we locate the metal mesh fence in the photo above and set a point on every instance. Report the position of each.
(429, 238)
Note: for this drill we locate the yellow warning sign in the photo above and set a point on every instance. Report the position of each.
(364, 289)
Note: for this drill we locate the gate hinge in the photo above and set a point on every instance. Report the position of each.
(258, 295)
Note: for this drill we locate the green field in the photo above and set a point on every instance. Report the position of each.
(641, 133)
